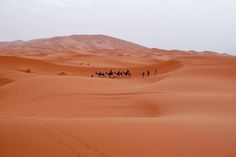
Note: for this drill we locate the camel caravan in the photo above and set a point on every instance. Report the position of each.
(121, 74)
(113, 74)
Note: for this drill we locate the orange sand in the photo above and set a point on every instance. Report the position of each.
(58, 110)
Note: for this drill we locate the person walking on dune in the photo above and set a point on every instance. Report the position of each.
(148, 73)
(155, 72)
(143, 74)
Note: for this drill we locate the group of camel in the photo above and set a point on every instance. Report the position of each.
(121, 74)
(114, 74)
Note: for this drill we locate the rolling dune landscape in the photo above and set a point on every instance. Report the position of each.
(53, 104)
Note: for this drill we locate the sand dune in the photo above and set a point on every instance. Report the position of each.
(51, 106)
(69, 44)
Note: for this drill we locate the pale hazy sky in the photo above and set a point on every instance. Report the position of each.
(167, 24)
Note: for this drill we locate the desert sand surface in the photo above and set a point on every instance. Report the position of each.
(50, 106)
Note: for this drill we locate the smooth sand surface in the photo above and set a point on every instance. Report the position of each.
(50, 106)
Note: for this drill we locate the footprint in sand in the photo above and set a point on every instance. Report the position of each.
(67, 146)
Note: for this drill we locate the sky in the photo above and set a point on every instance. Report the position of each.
(167, 24)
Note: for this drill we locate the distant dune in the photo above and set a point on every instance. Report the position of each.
(73, 43)
(53, 104)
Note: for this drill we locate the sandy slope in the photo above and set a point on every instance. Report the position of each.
(187, 110)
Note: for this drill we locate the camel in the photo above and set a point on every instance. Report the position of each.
(119, 74)
(110, 73)
(127, 73)
(100, 74)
